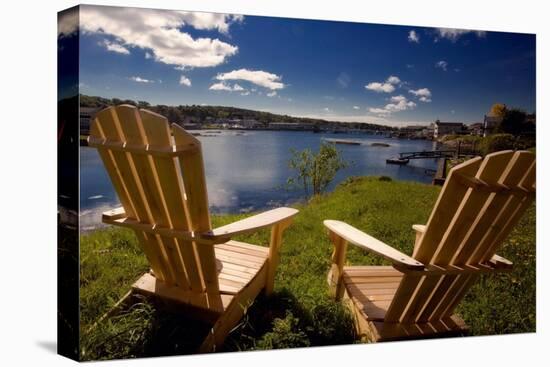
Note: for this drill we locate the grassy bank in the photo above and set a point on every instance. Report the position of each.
(300, 313)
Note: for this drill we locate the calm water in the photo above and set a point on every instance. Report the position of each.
(248, 172)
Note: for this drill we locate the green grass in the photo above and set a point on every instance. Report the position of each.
(300, 312)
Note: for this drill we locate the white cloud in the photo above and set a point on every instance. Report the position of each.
(209, 21)
(258, 77)
(148, 55)
(245, 93)
(221, 86)
(67, 23)
(185, 81)
(226, 87)
(326, 109)
(380, 87)
(392, 79)
(158, 32)
(237, 87)
(414, 37)
(454, 34)
(442, 65)
(114, 47)
(379, 111)
(398, 98)
(386, 87)
(272, 94)
(356, 107)
(423, 94)
(399, 103)
(139, 79)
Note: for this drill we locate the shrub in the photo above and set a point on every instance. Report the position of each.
(494, 143)
(286, 334)
(316, 171)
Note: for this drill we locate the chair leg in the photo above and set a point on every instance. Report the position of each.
(233, 313)
(273, 259)
(335, 276)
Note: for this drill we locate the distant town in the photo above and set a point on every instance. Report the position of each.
(230, 118)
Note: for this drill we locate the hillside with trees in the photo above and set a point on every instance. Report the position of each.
(203, 114)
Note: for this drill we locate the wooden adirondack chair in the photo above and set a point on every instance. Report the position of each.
(479, 205)
(160, 183)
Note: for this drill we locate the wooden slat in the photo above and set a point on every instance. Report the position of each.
(242, 250)
(379, 279)
(456, 293)
(438, 296)
(150, 285)
(221, 252)
(459, 227)
(245, 245)
(239, 267)
(371, 271)
(375, 286)
(194, 182)
(521, 204)
(406, 289)
(157, 131)
(470, 203)
(470, 209)
(123, 176)
(444, 210)
(233, 312)
(236, 261)
(373, 295)
(495, 209)
(133, 131)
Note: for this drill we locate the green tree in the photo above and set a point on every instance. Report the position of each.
(314, 172)
(498, 110)
(513, 121)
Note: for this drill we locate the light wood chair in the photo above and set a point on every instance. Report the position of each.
(480, 203)
(160, 182)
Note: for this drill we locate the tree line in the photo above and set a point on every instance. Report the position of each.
(205, 114)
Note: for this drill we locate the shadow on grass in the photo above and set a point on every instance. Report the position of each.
(147, 329)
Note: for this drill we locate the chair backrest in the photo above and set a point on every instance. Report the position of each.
(160, 181)
(480, 203)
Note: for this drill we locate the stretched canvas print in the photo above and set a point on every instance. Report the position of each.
(233, 183)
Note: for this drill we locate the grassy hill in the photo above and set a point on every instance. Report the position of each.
(300, 312)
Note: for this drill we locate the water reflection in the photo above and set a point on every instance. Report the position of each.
(247, 172)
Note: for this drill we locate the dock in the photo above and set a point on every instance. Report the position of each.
(428, 154)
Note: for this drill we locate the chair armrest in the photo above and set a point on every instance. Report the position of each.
(501, 263)
(222, 234)
(371, 244)
(253, 223)
(419, 228)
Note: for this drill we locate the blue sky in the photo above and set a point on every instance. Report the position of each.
(393, 75)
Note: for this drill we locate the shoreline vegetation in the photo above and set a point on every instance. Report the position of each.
(300, 312)
(213, 117)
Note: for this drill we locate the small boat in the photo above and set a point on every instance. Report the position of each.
(397, 161)
(343, 141)
(379, 145)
